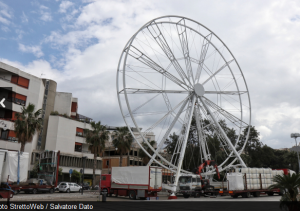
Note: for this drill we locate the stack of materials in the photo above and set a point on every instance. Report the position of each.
(255, 178)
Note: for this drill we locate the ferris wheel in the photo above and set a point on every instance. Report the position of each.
(174, 71)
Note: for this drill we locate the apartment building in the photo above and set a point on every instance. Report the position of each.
(111, 157)
(62, 125)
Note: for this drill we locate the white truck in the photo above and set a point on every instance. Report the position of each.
(136, 182)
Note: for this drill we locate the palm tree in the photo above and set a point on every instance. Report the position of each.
(289, 185)
(96, 138)
(27, 124)
(122, 141)
(143, 155)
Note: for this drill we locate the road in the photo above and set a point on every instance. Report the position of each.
(94, 196)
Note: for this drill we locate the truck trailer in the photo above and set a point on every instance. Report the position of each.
(247, 182)
(135, 182)
(14, 171)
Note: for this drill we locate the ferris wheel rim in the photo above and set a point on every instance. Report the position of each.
(124, 82)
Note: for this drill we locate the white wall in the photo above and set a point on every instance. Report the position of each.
(61, 135)
(63, 103)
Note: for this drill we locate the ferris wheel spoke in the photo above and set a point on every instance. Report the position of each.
(204, 49)
(223, 133)
(215, 73)
(181, 30)
(151, 91)
(226, 114)
(201, 135)
(226, 92)
(148, 130)
(161, 41)
(140, 56)
(140, 106)
(168, 132)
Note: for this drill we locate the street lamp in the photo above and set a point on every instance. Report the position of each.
(82, 175)
(296, 135)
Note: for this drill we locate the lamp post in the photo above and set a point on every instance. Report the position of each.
(82, 180)
(296, 135)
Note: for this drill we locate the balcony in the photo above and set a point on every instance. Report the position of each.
(17, 80)
(17, 101)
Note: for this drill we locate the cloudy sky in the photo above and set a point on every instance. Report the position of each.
(78, 44)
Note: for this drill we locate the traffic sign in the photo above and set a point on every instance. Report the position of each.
(70, 171)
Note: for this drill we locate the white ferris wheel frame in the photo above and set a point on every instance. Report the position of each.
(195, 98)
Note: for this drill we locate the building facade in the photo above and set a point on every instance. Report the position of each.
(111, 157)
(62, 125)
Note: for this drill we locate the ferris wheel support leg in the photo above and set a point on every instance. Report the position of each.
(182, 152)
(223, 134)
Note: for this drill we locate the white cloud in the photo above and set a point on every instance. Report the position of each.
(36, 50)
(24, 18)
(5, 28)
(45, 13)
(37, 68)
(64, 5)
(5, 14)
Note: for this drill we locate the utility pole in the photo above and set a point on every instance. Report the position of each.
(296, 135)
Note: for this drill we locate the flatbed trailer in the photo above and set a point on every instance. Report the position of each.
(248, 193)
(35, 188)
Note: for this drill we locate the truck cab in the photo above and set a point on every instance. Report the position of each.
(190, 182)
(105, 183)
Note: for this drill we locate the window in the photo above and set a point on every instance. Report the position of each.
(78, 147)
(23, 82)
(194, 180)
(198, 180)
(140, 163)
(131, 152)
(107, 162)
(4, 134)
(79, 131)
(135, 153)
(185, 179)
(135, 163)
(12, 136)
(103, 178)
(130, 162)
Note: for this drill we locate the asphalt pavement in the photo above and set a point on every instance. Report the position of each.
(94, 196)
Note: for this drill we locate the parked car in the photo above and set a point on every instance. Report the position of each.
(96, 187)
(57, 187)
(69, 187)
(86, 186)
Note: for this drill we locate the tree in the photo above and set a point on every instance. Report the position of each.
(96, 138)
(76, 175)
(35, 170)
(143, 155)
(289, 184)
(27, 124)
(122, 141)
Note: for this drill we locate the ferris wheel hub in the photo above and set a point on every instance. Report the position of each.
(199, 89)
